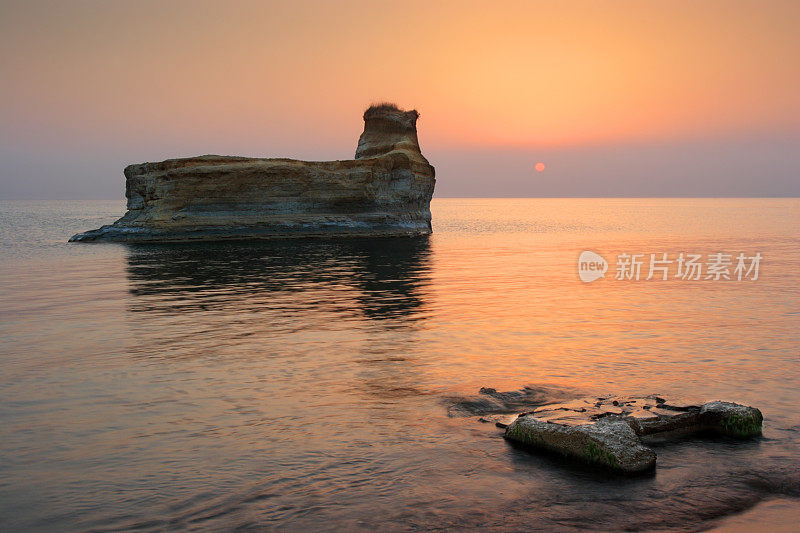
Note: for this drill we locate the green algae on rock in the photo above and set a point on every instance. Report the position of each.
(613, 431)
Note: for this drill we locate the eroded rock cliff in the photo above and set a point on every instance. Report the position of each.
(385, 191)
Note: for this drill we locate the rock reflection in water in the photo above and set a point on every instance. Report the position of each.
(382, 279)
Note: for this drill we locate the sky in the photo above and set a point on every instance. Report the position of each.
(617, 98)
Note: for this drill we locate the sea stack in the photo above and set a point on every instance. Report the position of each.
(385, 191)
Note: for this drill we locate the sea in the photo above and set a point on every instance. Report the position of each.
(333, 385)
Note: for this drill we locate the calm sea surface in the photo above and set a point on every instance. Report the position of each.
(321, 385)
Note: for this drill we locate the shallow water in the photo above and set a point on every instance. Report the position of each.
(324, 385)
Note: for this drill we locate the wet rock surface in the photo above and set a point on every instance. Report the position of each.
(385, 191)
(497, 405)
(614, 431)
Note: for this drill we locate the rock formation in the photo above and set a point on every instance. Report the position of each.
(385, 191)
(613, 432)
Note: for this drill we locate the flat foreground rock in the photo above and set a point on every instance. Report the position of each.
(613, 431)
(385, 191)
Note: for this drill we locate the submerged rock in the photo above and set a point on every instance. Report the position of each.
(385, 191)
(490, 402)
(613, 431)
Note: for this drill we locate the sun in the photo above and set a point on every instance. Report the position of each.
(539, 167)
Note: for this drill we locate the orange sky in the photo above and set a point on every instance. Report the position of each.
(549, 73)
(292, 79)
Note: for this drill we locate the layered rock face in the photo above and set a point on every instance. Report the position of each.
(385, 191)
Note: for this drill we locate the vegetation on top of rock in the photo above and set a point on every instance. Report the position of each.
(387, 107)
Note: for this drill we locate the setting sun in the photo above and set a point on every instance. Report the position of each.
(539, 167)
